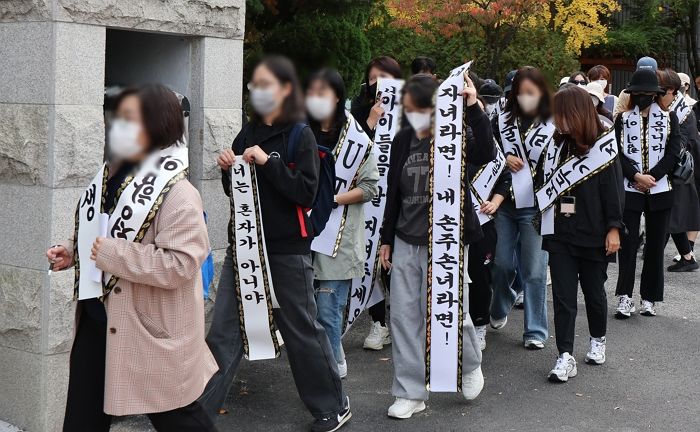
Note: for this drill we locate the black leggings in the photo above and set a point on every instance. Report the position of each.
(85, 404)
(479, 267)
(682, 243)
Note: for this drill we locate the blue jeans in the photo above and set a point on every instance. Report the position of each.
(514, 227)
(331, 299)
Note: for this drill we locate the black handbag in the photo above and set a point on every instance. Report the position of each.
(685, 166)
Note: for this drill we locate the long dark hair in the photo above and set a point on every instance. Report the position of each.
(573, 103)
(332, 78)
(293, 105)
(533, 74)
(575, 74)
(161, 113)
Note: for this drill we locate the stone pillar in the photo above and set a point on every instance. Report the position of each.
(51, 142)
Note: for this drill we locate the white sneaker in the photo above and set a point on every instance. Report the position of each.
(343, 369)
(533, 344)
(647, 308)
(378, 337)
(472, 384)
(564, 369)
(405, 408)
(596, 353)
(498, 324)
(625, 307)
(520, 300)
(481, 336)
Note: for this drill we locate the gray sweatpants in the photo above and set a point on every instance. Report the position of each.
(409, 278)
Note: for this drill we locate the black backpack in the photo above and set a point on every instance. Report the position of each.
(323, 203)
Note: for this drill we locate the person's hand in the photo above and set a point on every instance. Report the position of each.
(96, 245)
(375, 114)
(59, 257)
(226, 159)
(640, 188)
(514, 163)
(255, 154)
(385, 256)
(469, 91)
(645, 180)
(612, 241)
(489, 207)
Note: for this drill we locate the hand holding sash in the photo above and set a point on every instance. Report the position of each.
(469, 91)
(226, 159)
(515, 164)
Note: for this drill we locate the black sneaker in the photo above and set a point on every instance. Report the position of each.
(684, 265)
(335, 422)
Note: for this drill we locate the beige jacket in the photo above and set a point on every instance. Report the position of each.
(157, 359)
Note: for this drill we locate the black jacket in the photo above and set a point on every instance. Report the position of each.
(360, 108)
(599, 206)
(691, 142)
(661, 201)
(281, 189)
(480, 150)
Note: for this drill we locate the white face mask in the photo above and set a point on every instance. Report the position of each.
(320, 108)
(419, 121)
(603, 83)
(263, 100)
(123, 139)
(528, 103)
(489, 108)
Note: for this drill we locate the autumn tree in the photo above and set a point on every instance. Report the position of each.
(581, 21)
(497, 21)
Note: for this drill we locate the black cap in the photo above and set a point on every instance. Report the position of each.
(490, 91)
(644, 81)
(509, 80)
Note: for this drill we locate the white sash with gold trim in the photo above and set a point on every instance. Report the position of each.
(366, 288)
(137, 205)
(681, 107)
(529, 150)
(446, 260)
(644, 151)
(253, 278)
(350, 153)
(562, 177)
(481, 186)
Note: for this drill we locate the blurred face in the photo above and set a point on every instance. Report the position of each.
(321, 100)
(266, 92)
(529, 96)
(375, 73)
(419, 118)
(127, 138)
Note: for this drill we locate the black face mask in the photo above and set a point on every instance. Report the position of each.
(642, 101)
(371, 91)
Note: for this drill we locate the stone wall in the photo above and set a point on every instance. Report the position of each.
(51, 141)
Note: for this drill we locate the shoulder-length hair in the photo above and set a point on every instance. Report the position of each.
(598, 72)
(668, 80)
(332, 79)
(161, 113)
(573, 104)
(293, 105)
(536, 77)
(421, 87)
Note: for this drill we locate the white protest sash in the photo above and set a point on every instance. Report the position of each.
(350, 153)
(140, 197)
(253, 279)
(644, 151)
(367, 288)
(681, 107)
(529, 150)
(481, 186)
(446, 259)
(561, 178)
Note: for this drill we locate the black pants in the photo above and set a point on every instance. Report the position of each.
(378, 311)
(682, 243)
(311, 358)
(481, 256)
(84, 407)
(652, 283)
(567, 271)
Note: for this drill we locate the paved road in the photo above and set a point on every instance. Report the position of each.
(649, 383)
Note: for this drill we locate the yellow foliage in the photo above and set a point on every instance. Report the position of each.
(579, 20)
